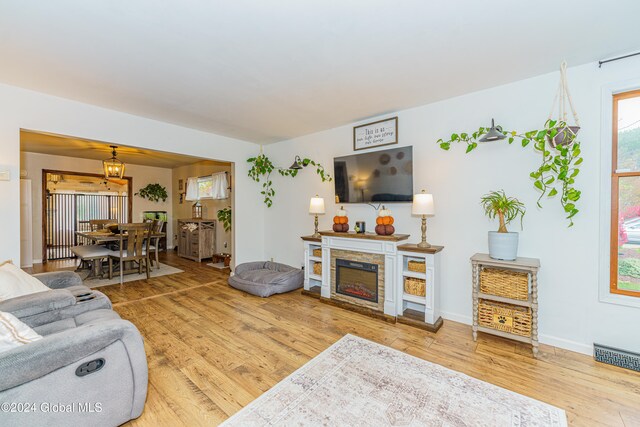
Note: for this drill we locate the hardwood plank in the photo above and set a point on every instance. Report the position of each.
(213, 349)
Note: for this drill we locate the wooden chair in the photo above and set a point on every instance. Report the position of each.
(154, 248)
(134, 247)
(92, 256)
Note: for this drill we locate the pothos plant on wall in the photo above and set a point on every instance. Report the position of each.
(556, 143)
(262, 167)
(560, 162)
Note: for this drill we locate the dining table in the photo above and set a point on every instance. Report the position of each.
(107, 238)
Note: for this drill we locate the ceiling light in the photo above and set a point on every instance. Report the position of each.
(113, 168)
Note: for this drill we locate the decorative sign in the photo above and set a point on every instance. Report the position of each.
(376, 134)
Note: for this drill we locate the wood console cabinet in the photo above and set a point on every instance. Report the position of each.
(196, 238)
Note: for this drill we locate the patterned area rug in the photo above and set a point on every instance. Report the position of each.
(164, 270)
(356, 382)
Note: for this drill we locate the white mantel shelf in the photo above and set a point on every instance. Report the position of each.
(397, 251)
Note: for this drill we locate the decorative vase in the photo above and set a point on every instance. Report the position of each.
(503, 246)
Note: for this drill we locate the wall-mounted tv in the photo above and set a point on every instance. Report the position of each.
(375, 177)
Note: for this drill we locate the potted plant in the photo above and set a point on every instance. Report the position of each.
(224, 216)
(153, 192)
(503, 244)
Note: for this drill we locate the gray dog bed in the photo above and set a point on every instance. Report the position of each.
(264, 279)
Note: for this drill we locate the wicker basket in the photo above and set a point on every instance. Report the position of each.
(413, 286)
(417, 266)
(317, 252)
(505, 317)
(505, 283)
(317, 268)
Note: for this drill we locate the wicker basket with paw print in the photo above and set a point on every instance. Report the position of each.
(505, 317)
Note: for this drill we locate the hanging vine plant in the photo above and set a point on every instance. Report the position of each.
(153, 192)
(262, 167)
(560, 152)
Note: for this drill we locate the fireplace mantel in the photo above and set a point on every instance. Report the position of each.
(391, 254)
(366, 236)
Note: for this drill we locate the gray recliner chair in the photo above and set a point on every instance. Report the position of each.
(68, 297)
(88, 369)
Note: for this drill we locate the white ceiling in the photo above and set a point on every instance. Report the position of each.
(270, 70)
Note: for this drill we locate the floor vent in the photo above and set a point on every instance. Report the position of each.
(617, 357)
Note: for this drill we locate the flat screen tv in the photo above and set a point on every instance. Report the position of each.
(375, 177)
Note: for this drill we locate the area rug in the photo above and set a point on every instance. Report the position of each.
(356, 382)
(164, 270)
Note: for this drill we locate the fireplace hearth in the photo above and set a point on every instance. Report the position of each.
(357, 279)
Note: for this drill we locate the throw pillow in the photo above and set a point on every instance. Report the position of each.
(14, 333)
(14, 282)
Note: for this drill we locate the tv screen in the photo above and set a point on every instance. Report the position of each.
(375, 177)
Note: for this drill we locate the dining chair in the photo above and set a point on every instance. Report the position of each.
(92, 255)
(134, 247)
(154, 248)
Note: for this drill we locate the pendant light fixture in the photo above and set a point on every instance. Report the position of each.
(494, 134)
(113, 168)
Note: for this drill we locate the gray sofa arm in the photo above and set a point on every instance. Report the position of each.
(59, 279)
(31, 361)
(40, 302)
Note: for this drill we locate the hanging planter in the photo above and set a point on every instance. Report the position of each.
(566, 133)
(556, 142)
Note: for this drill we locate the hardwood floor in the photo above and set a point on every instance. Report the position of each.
(212, 350)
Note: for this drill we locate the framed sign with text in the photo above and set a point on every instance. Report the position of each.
(376, 134)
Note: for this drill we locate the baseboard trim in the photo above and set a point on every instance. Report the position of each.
(455, 317)
(544, 339)
(37, 261)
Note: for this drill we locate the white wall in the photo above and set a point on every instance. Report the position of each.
(20, 108)
(571, 315)
(34, 163)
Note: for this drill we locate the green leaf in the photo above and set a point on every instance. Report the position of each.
(445, 145)
(454, 137)
(538, 185)
(550, 180)
(553, 192)
(525, 142)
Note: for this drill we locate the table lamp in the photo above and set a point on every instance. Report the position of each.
(316, 207)
(423, 205)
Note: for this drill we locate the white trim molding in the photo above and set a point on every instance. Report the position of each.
(606, 145)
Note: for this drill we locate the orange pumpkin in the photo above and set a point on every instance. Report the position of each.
(390, 220)
(379, 220)
(336, 220)
(343, 219)
(385, 220)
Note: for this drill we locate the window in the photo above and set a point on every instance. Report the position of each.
(205, 187)
(625, 195)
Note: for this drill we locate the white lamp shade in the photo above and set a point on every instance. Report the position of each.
(316, 206)
(423, 204)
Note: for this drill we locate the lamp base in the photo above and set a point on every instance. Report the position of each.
(423, 245)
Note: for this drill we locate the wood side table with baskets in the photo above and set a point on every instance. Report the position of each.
(505, 298)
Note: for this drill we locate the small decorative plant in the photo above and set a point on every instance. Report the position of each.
(261, 170)
(560, 151)
(224, 216)
(153, 192)
(497, 204)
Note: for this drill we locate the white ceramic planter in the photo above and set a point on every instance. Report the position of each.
(503, 246)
